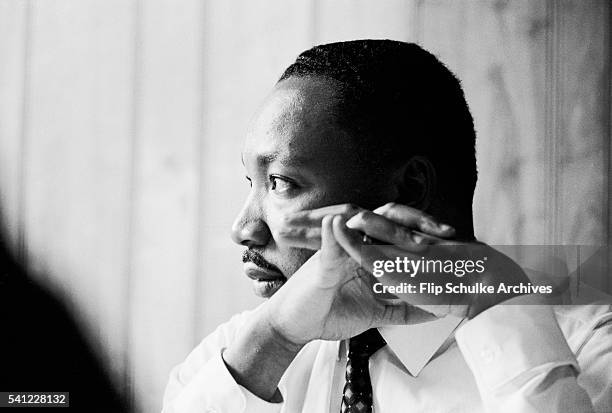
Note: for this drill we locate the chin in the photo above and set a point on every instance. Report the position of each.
(267, 289)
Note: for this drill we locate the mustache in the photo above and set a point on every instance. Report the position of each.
(256, 258)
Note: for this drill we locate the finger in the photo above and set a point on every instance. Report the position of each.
(303, 229)
(368, 256)
(310, 237)
(331, 251)
(383, 229)
(415, 219)
(313, 217)
(300, 236)
(351, 242)
(422, 238)
(402, 314)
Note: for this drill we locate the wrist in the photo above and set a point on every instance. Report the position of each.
(275, 336)
(258, 358)
(280, 327)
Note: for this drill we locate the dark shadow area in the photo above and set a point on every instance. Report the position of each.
(43, 350)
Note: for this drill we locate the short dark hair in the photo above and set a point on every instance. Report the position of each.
(398, 100)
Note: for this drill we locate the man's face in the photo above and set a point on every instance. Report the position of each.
(296, 158)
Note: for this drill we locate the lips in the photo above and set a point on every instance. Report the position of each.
(265, 282)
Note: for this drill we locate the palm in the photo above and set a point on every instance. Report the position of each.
(353, 310)
(332, 304)
(330, 297)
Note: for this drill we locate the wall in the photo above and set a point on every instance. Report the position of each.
(121, 123)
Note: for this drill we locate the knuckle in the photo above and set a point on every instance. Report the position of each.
(288, 219)
(424, 222)
(290, 232)
(350, 209)
(363, 216)
(327, 220)
(295, 217)
(280, 232)
(400, 235)
(386, 208)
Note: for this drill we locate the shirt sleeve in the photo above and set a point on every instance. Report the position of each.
(522, 362)
(203, 384)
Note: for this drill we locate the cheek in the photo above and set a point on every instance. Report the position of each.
(289, 259)
(276, 210)
(294, 259)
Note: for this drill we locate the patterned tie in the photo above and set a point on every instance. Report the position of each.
(357, 394)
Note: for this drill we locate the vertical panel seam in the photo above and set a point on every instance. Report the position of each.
(547, 104)
(131, 200)
(558, 106)
(200, 147)
(608, 139)
(314, 22)
(418, 22)
(550, 121)
(24, 132)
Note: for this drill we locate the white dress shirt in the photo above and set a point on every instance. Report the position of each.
(510, 358)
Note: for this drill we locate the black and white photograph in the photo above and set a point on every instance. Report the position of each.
(306, 206)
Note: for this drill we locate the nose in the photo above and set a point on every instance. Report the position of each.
(249, 228)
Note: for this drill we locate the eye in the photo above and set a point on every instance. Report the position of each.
(281, 185)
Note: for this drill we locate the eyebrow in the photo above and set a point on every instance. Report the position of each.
(264, 159)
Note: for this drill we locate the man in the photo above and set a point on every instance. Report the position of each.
(367, 142)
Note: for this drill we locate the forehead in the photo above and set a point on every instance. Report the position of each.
(295, 123)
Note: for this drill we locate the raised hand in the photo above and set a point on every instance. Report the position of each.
(330, 297)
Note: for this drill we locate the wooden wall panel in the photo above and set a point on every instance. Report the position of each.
(441, 30)
(76, 160)
(243, 60)
(13, 72)
(504, 77)
(581, 65)
(581, 72)
(164, 221)
(538, 87)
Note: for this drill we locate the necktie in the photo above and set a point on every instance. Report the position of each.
(357, 393)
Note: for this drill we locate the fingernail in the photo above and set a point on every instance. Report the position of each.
(351, 222)
(445, 227)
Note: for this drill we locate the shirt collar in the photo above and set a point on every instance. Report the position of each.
(415, 344)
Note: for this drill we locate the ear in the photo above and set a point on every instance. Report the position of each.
(416, 183)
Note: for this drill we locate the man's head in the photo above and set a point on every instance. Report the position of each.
(364, 122)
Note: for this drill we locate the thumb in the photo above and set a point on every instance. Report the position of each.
(332, 255)
(332, 252)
